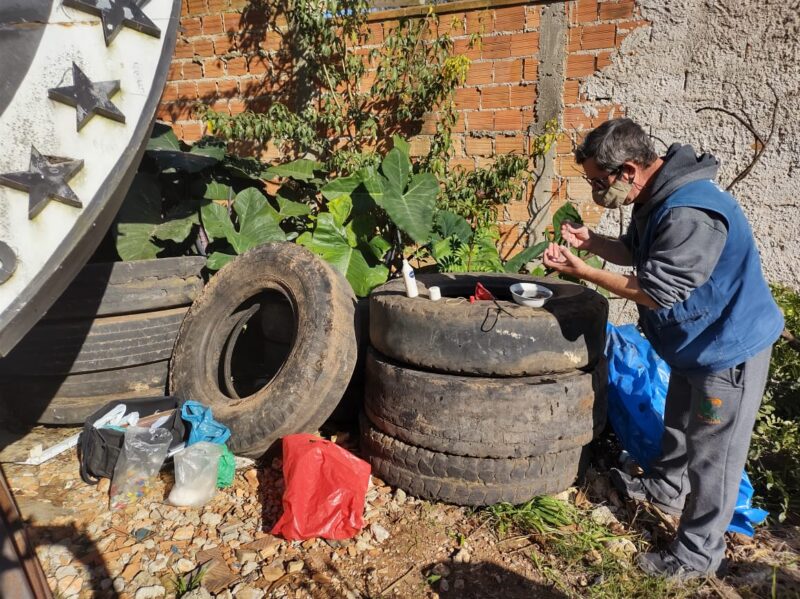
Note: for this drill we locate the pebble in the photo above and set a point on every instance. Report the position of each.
(379, 533)
(158, 564)
(243, 591)
(211, 519)
(249, 567)
(155, 591)
(184, 533)
(295, 566)
(359, 547)
(65, 571)
(271, 573)
(104, 485)
(400, 496)
(198, 593)
(184, 565)
(462, 556)
(444, 586)
(603, 516)
(620, 546)
(251, 476)
(119, 584)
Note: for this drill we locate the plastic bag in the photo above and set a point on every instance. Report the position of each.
(326, 487)
(638, 380)
(203, 426)
(226, 469)
(143, 454)
(196, 474)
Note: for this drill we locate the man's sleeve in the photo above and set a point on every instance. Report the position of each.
(684, 253)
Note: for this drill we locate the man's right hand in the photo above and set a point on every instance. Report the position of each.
(578, 236)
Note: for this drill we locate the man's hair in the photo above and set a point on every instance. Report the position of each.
(615, 142)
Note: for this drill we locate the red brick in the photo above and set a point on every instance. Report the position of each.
(232, 21)
(530, 72)
(506, 144)
(164, 113)
(508, 71)
(467, 164)
(212, 25)
(272, 41)
(533, 17)
(522, 95)
(375, 34)
(220, 106)
(228, 87)
(206, 89)
(625, 28)
(213, 67)
(480, 121)
(617, 10)
(524, 44)
(599, 36)
(498, 46)
(479, 22)
(586, 11)
(511, 18)
(454, 25)
(429, 121)
(191, 132)
(461, 47)
(196, 7)
(468, 98)
(183, 49)
(192, 70)
(604, 59)
(575, 117)
(257, 66)
(568, 168)
(479, 73)
(182, 111)
(574, 41)
(494, 97)
(236, 106)
(224, 44)
(571, 90)
(187, 90)
(170, 93)
(479, 146)
(579, 65)
(174, 73)
(203, 48)
(218, 5)
(191, 27)
(508, 120)
(237, 67)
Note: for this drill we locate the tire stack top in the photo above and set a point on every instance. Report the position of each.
(108, 337)
(485, 402)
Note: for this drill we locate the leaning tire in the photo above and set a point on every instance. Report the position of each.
(483, 417)
(488, 338)
(467, 480)
(319, 347)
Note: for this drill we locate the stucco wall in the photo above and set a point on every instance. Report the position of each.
(681, 62)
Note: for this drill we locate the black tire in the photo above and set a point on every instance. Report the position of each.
(467, 480)
(488, 338)
(306, 382)
(114, 288)
(70, 399)
(70, 347)
(482, 417)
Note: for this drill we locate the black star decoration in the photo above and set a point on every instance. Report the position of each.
(45, 181)
(114, 14)
(88, 98)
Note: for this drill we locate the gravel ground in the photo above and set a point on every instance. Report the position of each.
(408, 547)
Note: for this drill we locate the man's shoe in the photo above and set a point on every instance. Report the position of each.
(667, 565)
(635, 489)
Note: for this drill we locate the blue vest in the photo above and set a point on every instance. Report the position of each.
(732, 316)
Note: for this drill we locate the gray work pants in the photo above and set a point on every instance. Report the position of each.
(708, 422)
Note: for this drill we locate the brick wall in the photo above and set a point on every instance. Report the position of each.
(230, 56)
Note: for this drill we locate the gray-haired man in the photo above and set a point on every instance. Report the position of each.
(706, 308)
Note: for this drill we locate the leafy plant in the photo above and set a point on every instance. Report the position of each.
(185, 584)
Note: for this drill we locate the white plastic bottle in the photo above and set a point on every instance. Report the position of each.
(409, 279)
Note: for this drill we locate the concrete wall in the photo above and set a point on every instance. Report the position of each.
(681, 62)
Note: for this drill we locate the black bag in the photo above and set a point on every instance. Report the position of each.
(99, 448)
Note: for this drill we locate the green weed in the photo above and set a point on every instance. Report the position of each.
(185, 584)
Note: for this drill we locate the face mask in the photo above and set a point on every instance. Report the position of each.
(614, 195)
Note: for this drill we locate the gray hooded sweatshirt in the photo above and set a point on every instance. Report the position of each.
(688, 242)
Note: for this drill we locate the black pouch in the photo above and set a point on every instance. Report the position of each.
(99, 448)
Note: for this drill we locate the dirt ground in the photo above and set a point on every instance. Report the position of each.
(408, 548)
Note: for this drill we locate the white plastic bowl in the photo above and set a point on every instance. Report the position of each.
(530, 294)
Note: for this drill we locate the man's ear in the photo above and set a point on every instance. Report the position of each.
(629, 170)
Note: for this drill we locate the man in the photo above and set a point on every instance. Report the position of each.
(706, 308)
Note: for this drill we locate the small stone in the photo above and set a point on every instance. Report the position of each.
(246, 555)
(184, 565)
(620, 546)
(155, 591)
(119, 584)
(271, 573)
(360, 547)
(211, 519)
(249, 567)
(251, 476)
(159, 564)
(462, 557)
(66, 582)
(400, 496)
(603, 516)
(296, 566)
(65, 571)
(184, 533)
(444, 586)
(441, 569)
(198, 593)
(243, 591)
(103, 485)
(379, 533)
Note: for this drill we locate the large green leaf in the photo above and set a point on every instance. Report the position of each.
(516, 263)
(566, 212)
(401, 144)
(340, 209)
(288, 208)
(217, 222)
(170, 161)
(138, 217)
(449, 223)
(209, 146)
(330, 242)
(302, 169)
(178, 223)
(217, 260)
(245, 168)
(396, 167)
(257, 222)
(218, 191)
(163, 138)
(411, 211)
(342, 186)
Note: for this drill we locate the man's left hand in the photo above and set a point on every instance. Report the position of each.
(560, 259)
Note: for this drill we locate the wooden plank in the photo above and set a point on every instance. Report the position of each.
(416, 10)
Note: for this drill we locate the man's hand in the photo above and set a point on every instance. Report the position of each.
(560, 259)
(578, 236)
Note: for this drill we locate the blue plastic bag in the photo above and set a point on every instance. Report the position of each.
(637, 389)
(203, 427)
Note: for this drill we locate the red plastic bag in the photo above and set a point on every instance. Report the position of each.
(326, 487)
(481, 293)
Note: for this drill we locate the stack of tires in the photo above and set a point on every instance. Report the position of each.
(108, 337)
(475, 404)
